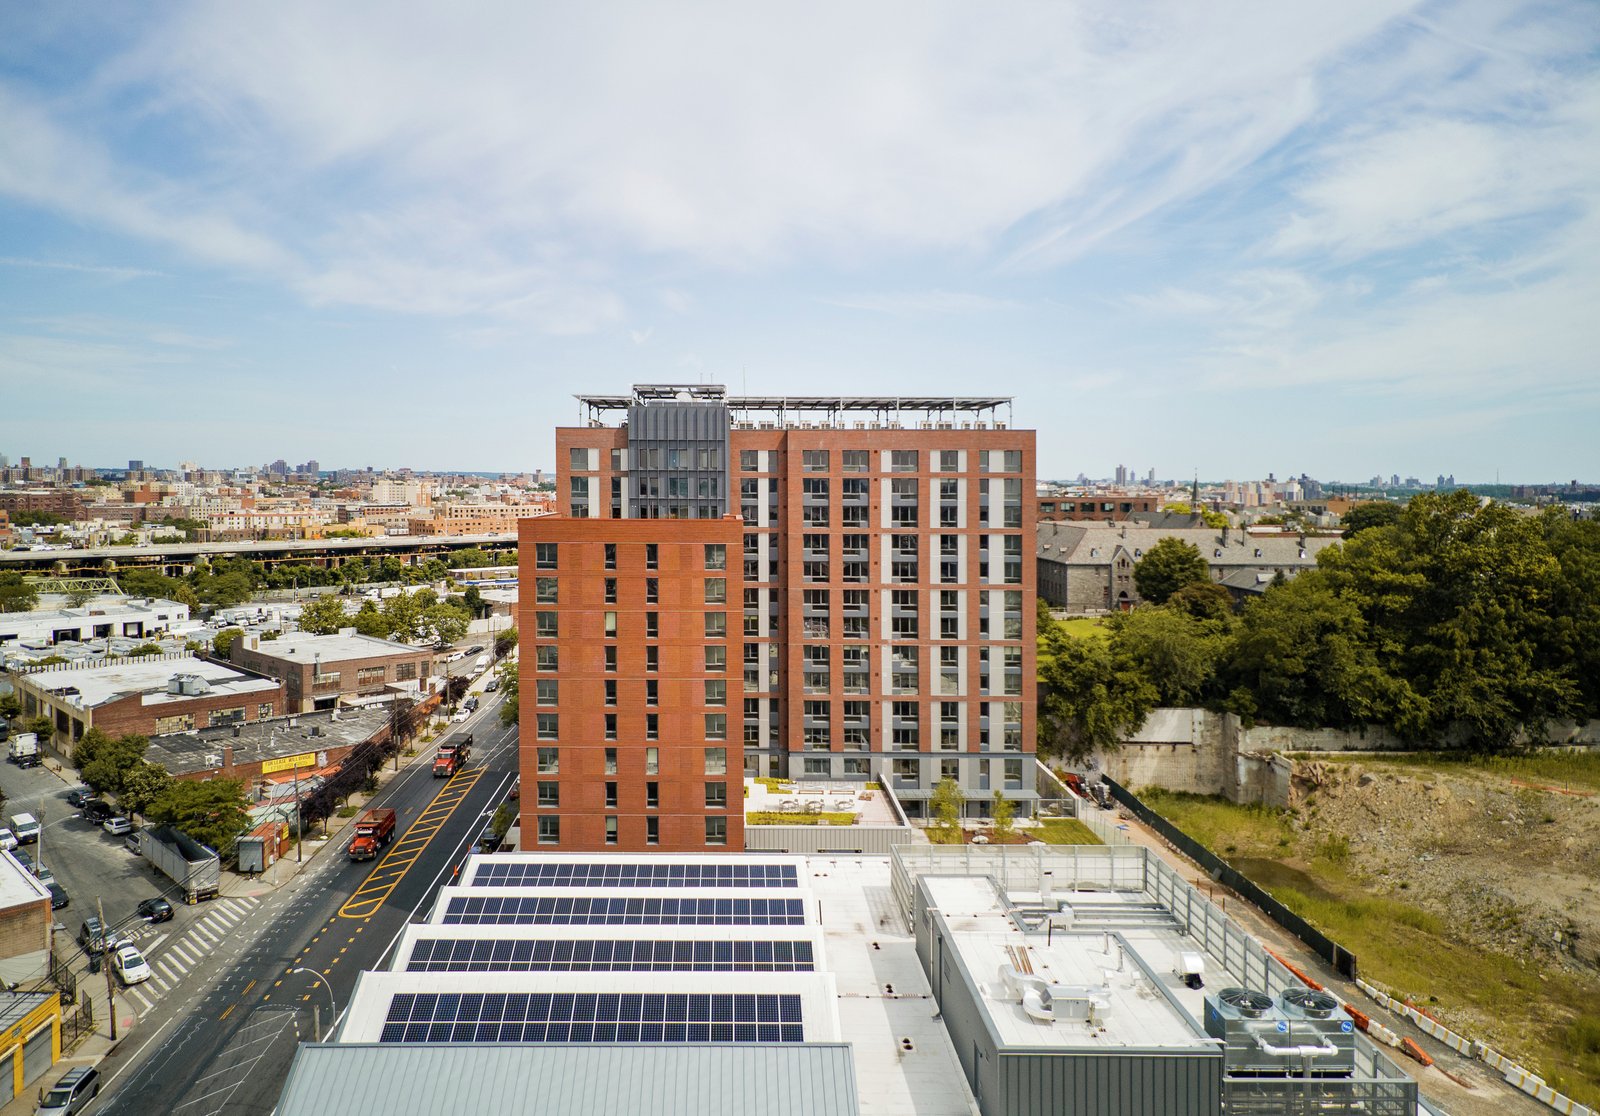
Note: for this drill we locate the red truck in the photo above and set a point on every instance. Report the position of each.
(374, 829)
(452, 755)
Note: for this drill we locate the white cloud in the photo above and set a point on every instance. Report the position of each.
(919, 303)
(108, 272)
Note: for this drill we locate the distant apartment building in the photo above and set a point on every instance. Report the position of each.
(63, 502)
(148, 695)
(1089, 568)
(887, 601)
(320, 671)
(477, 519)
(1107, 507)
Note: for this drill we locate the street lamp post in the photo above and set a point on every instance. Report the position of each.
(333, 1010)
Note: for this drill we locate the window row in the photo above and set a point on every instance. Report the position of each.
(548, 761)
(549, 830)
(547, 556)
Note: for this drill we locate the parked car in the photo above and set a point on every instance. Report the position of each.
(461, 716)
(131, 843)
(72, 1093)
(471, 704)
(59, 899)
(487, 842)
(130, 966)
(154, 910)
(8, 839)
(117, 827)
(97, 810)
(79, 795)
(44, 874)
(492, 685)
(475, 648)
(23, 858)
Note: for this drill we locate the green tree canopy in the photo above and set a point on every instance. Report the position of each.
(213, 812)
(1173, 651)
(10, 705)
(17, 594)
(507, 673)
(142, 785)
(323, 616)
(505, 641)
(1086, 700)
(946, 803)
(224, 640)
(1362, 517)
(1203, 600)
(1168, 566)
(103, 762)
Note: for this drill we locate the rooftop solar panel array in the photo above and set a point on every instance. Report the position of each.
(545, 873)
(605, 910)
(608, 955)
(592, 1017)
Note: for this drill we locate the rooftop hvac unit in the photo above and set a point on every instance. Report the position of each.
(1258, 1039)
(946, 426)
(1318, 1013)
(188, 685)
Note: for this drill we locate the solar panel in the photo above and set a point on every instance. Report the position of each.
(497, 873)
(593, 1017)
(606, 910)
(469, 955)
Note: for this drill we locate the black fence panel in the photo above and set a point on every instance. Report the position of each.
(1343, 961)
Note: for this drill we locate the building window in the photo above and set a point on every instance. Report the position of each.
(652, 831)
(611, 794)
(903, 461)
(716, 590)
(544, 556)
(611, 727)
(549, 761)
(716, 658)
(652, 726)
(611, 556)
(716, 761)
(546, 590)
(547, 691)
(550, 830)
(814, 461)
(611, 761)
(652, 556)
(611, 590)
(549, 793)
(547, 658)
(652, 657)
(716, 831)
(820, 766)
(405, 672)
(716, 796)
(652, 761)
(856, 461)
(610, 625)
(855, 765)
(549, 725)
(611, 831)
(652, 692)
(652, 625)
(716, 625)
(716, 556)
(264, 710)
(546, 625)
(749, 461)
(610, 657)
(716, 691)
(716, 726)
(652, 794)
(652, 590)
(611, 691)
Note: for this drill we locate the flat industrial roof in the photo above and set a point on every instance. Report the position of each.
(1109, 961)
(17, 884)
(99, 684)
(336, 647)
(185, 752)
(592, 1080)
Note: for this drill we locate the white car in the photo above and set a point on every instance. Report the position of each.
(117, 827)
(461, 715)
(130, 966)
(8, 839)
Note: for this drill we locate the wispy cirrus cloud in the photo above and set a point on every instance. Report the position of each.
(107, 271)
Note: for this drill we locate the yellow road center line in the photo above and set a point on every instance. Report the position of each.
(227, 1013)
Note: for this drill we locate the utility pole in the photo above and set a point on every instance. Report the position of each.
(299, 837)
(105, 963)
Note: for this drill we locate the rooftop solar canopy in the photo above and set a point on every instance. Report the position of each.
(501, 872)
(454, 954)
(646, 1017)
(616, 910)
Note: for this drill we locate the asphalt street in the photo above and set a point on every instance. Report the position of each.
(221, 1042)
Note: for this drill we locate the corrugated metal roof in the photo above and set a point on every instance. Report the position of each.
(589, 1080)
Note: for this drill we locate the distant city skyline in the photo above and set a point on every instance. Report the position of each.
(1321, 236)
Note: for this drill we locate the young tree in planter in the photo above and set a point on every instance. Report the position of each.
(1003, 813)
(948, 798)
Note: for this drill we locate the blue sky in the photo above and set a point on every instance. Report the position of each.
(1245, 237)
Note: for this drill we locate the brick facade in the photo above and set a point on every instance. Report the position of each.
(306, 689)
(630, 653)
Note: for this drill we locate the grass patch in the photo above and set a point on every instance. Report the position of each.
(776, 786)
(1228, 829)
(349, 811)
(942, 835)
(1579, 769)
(1085, 627)
(775, 817)
(1066, 831)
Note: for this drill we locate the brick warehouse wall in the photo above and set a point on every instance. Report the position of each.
(130, 714)
(577, 788)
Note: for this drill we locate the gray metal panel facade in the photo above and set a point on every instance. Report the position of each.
(657, 429)
(1106, 1084)
(813, 1079)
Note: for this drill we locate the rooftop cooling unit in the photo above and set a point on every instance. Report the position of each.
(1315, 1017)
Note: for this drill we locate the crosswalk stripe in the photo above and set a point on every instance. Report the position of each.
(157, 982)
(167, 973)
(138, 1000)
(210, 937)
(229, 916)
(179, 956)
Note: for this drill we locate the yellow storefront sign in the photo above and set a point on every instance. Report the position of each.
(289, 763)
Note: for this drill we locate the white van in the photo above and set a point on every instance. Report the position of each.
(26, 827)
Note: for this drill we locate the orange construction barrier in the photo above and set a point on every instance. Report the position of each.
(1362, 1019)
(1296, 970)
(1416, 1052)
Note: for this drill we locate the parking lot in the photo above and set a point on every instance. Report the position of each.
(88, 862)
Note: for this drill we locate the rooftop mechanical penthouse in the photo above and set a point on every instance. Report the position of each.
(879, 610)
